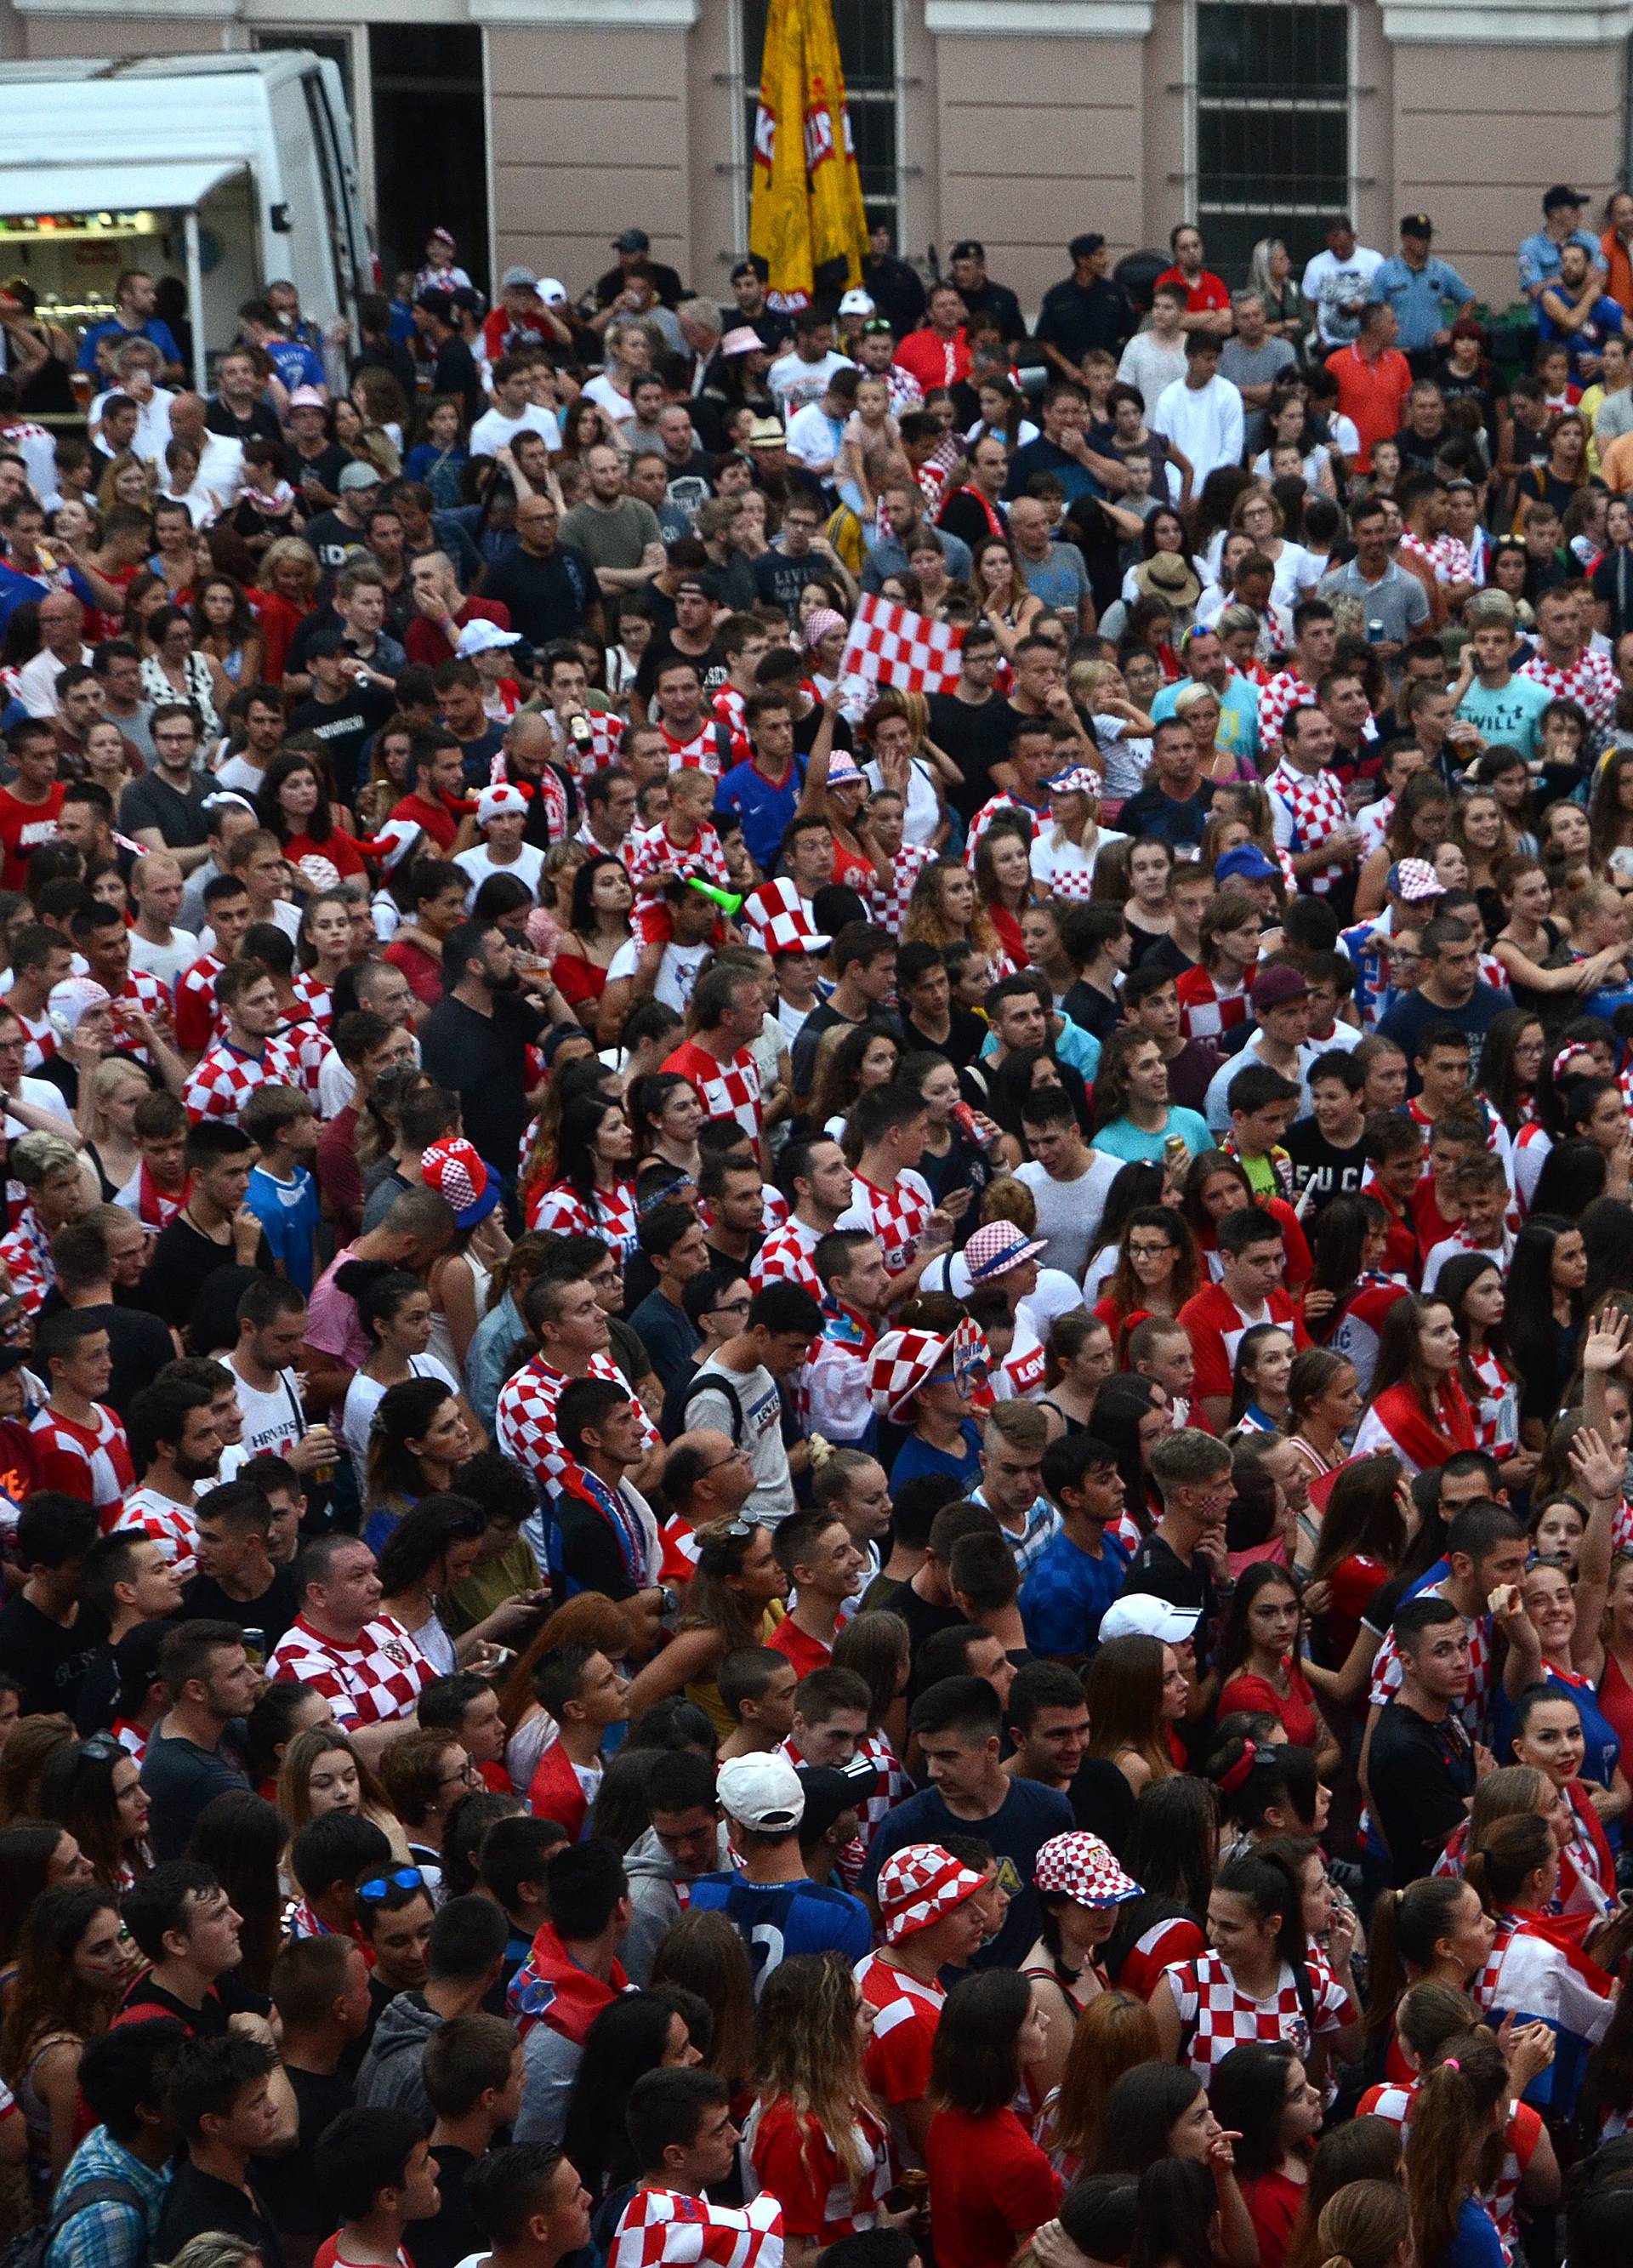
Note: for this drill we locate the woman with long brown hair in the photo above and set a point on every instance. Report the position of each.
(1459, 2110)
(735, 1599)
(1136, 1693)
(73, 1968)
(1417, 1407)
(1115, 2032)
(815, 2136)
(944, 910)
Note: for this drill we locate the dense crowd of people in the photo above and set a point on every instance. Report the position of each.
(820, 1451)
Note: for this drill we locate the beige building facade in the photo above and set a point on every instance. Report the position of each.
(537, 128)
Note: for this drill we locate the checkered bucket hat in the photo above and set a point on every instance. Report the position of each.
(918, 1885)
(778, 921)
(900, 1365)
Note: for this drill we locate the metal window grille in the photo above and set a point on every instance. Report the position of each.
(867, 51)
(1272, 125)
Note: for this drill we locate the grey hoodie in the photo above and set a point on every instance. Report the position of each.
(653, 1902)
(391, 2069)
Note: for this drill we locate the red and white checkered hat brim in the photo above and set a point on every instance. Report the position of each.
(778, 921)
(918, 1885)
(901, 1363)
(1079, 1865)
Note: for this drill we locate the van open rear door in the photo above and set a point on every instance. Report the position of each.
(126, 205)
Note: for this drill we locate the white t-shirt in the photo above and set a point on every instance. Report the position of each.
(365, 1395)
(167, 962)
(922, 815)
(813, 436)
(677, 972)
(1329, 282)
(273, 1421)
(478, 863)
(793, 383)
(1052, 862)
(605, 396)
(495, 431)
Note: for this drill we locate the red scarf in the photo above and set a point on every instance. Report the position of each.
(551, 1988)
(1427, 1442)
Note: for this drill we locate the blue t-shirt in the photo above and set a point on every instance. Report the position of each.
(1121, 1138)
(295, 363)
(290, 1214)
(160, 333)
(1508, 717)
(1067, 1592)
(776, 1920)
(763, 810)
(1476, 2243)
(916, 1456)
(1029, 1814)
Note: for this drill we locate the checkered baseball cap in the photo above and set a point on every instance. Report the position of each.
(918, 1885)
(844, 771)
(992, 1251)
(778, 920)
(1077, 779)
(453, 1169)
(1079, 1865)
(322, 872)
(1413, 880)
(900, 1363)
(504, 800)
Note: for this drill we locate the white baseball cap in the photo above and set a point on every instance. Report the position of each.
(761, 1792)
(1141, 1614)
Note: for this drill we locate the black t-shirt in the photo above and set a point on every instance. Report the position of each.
(198, 2205)
(344, 729)
(203, 1600)
(182, 1262)
(1094, 1010)
(454, 371)
(331, 537)
(966, 1033)
(1103, 1802)
(548, 597)
(975, 735)
(180, 1778)
(181, 821)
(780, 579)
(452, 2234)
(259, 424)
(711, 666)
(1000, 303)
(47, 1662)
(1336, 1172)
(139, 1343)
(225, 1999)
(1075, 317)
(1157, 1568)
(482, 1058)
(922, 1618)
(322, 471)
(288, 2185)
(666, 286)
(1420, 1777)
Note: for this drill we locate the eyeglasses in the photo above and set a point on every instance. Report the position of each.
(468, 1775)
(730, 1308)
(406, 1878)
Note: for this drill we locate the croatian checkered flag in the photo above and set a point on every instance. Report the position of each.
(892, 646)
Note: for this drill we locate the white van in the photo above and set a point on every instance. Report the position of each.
(229, 170)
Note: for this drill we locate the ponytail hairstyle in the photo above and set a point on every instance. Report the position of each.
(1429, 2015)
(1513, 1850)
(1271, 1887)
(1451, 2114)
(1254, 1777)
(1364, 2226)
(1503, 1794)
(1406, 1925)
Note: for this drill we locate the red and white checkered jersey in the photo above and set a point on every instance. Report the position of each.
(988, 812)
(26, 1253)
(307, 1042)
(730, 1090)
(151, 996)
(317, 1004)
(380, 1677)
(890, 645)
(1305, 809)
(787, 1257)
(1445, 554)
(1590, 681)
(41, 1036)
(170, 1524)
(663, 2228)
(788, 2156)
(654, 848)
(1472, 1709)
(1218, 2016)
(1206, 1009)
(611, 1215)
(525, 1418)
(906, 2013)
(198, 1012)
(897, 1216)
(701, 752)
(890, 900)
(91, 1462)
(606, 732)
(1285, 690)
(226, 1077)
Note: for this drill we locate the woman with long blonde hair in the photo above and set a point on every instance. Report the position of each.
(815, 2136)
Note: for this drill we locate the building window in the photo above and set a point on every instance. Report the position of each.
(1272, 125)
(867, 54)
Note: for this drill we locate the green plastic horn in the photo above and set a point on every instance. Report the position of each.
(727, 901)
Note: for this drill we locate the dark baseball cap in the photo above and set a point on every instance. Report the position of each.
(968, 248)
(632, 240)
(1417, 224)
(1560, 195)
(1083, 248)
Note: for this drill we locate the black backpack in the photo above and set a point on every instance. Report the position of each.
(29, 2250)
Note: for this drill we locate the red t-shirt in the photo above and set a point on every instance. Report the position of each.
(342, 853)
(1216, 1327)
(989, 2186)
(1274, 2204)
(426, 642)
(24, 827)
(425, 974)
(436, 817)
(806, 1654)
(1294, 1711)
(1209, 295)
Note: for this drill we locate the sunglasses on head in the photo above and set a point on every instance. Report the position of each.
(382, 1886)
